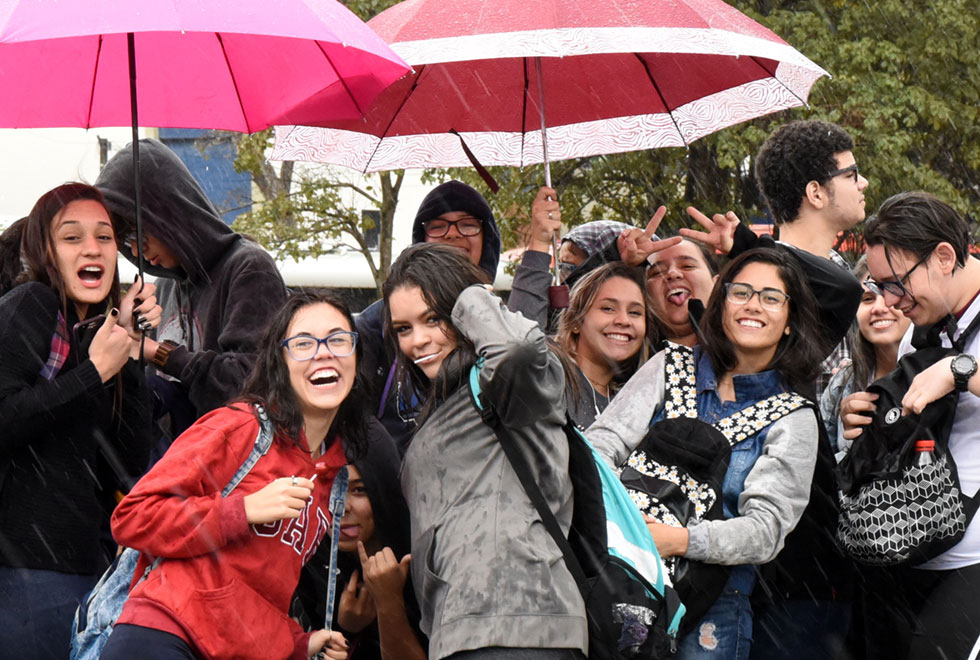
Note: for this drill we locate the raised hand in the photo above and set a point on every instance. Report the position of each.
(636, 245)
(719, 229)
(357, 609)
(545, 219)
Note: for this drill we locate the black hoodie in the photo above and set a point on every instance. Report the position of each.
(396, 404)
(217, 303)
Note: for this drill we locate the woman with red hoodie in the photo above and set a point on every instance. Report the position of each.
(230, 564)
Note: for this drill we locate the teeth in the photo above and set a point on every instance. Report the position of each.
(618, 337)
(750, 323)
(883, 323)
(92, 269)
(324, 376)
(425, 358)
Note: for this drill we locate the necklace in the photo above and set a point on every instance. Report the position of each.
(594, 390)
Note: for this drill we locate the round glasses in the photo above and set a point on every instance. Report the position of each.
(438, 227)
(305, 347)
(740, 293)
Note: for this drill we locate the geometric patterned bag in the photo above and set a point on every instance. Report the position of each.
(675, 474)
(894, 512)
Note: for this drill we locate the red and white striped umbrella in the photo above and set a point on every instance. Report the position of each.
(616, 75)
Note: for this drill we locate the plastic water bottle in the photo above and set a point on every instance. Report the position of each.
(926, 452)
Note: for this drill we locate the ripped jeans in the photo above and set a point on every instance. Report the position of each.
(725, 631)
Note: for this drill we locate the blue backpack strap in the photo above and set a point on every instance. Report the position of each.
(263, 441)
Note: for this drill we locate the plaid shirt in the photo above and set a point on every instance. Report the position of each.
(59, 350)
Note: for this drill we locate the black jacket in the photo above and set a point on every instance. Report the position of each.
(63, 449)
(217, 303)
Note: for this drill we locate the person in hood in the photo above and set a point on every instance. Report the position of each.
(453, 214)
(216, 287)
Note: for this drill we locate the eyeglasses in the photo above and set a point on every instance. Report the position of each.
(739, 293)
(305, 347)
(844, 170)
(439, 227)
(895, 286)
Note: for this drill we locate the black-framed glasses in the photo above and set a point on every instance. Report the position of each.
(739, 293)
(895, 286)
(844, 170)
(305, 347)
(439, 227)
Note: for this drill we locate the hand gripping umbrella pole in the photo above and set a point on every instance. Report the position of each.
(557, 292)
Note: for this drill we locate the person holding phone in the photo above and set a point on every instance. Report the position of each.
(74, 419)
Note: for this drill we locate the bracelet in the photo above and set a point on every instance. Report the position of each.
(164, 349)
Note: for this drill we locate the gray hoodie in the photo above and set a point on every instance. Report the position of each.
(484, 567)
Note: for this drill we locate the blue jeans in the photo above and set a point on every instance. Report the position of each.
(129, 641)
(724, 632)
(36, 611)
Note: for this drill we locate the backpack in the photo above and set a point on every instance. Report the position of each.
(97, 614)
(894, 511)
(632, 613)
(676, 473)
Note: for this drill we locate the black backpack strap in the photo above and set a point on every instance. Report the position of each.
(523, 470)
(960, 341)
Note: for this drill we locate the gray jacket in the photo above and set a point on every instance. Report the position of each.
(485, 570)
(776, 490)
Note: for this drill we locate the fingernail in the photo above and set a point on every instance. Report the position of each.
(114, 313)
(137, 302)
(136, 278)
(145, 325)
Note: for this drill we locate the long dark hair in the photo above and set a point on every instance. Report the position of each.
(797, 357)
(441, 273)
(864, 360)
(37, 243)
(268, 384)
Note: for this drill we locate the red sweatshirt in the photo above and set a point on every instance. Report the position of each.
(225, 586)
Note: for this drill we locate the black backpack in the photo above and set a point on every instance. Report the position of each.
(894, 511)
(632, 615)
(677, 471)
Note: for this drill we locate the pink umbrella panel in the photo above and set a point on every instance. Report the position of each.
(238, 66)
(617, 76)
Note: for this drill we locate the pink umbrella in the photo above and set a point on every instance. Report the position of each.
(239, 65)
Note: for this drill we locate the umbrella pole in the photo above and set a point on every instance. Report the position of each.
(557, 293)
(131, 48)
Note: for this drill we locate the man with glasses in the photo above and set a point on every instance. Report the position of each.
(919, 260)
(454, 214)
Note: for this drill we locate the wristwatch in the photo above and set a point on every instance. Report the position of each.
(963, 367)
(165, 347)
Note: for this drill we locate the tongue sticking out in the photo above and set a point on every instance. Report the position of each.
(678, 298)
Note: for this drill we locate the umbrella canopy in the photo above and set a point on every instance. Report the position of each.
(221, 64)
(617, 75)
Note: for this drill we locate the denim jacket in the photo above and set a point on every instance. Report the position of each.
(767, 485)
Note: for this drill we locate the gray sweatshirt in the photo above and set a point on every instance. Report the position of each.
(485, 570)
(776, 489)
